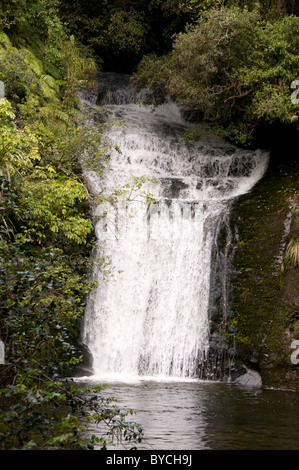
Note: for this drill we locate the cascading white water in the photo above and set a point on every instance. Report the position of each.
(152, 318)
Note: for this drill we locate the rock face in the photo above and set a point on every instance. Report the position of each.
(265, 293)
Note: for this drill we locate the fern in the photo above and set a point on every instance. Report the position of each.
(292, 252)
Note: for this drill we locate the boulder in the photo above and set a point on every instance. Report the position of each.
(250, 379)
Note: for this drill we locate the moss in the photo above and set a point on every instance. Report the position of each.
(264, 291)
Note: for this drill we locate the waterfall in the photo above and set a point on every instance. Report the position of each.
(151, 317)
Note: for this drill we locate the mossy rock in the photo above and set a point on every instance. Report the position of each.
(263, 290)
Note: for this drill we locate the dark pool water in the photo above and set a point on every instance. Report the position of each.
(211, 416)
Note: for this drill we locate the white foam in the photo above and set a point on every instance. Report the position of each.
(152, 319)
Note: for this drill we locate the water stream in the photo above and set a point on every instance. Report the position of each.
(152, 318)
(148, 326)
(206, 415)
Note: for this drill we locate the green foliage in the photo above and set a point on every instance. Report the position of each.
(50, 197)
(126, 31)
(57, 409)
(41, 299)
(131, 191)
(120, 33)
(18, 147)
(17, 16)
(196, 7)
(41, 296)
(17, 75)
(52, 205)
(46, 234)
(232, 67)
(111, 30)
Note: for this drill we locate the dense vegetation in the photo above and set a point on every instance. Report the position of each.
(46, 233)
(233, 68)
(231, 62)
